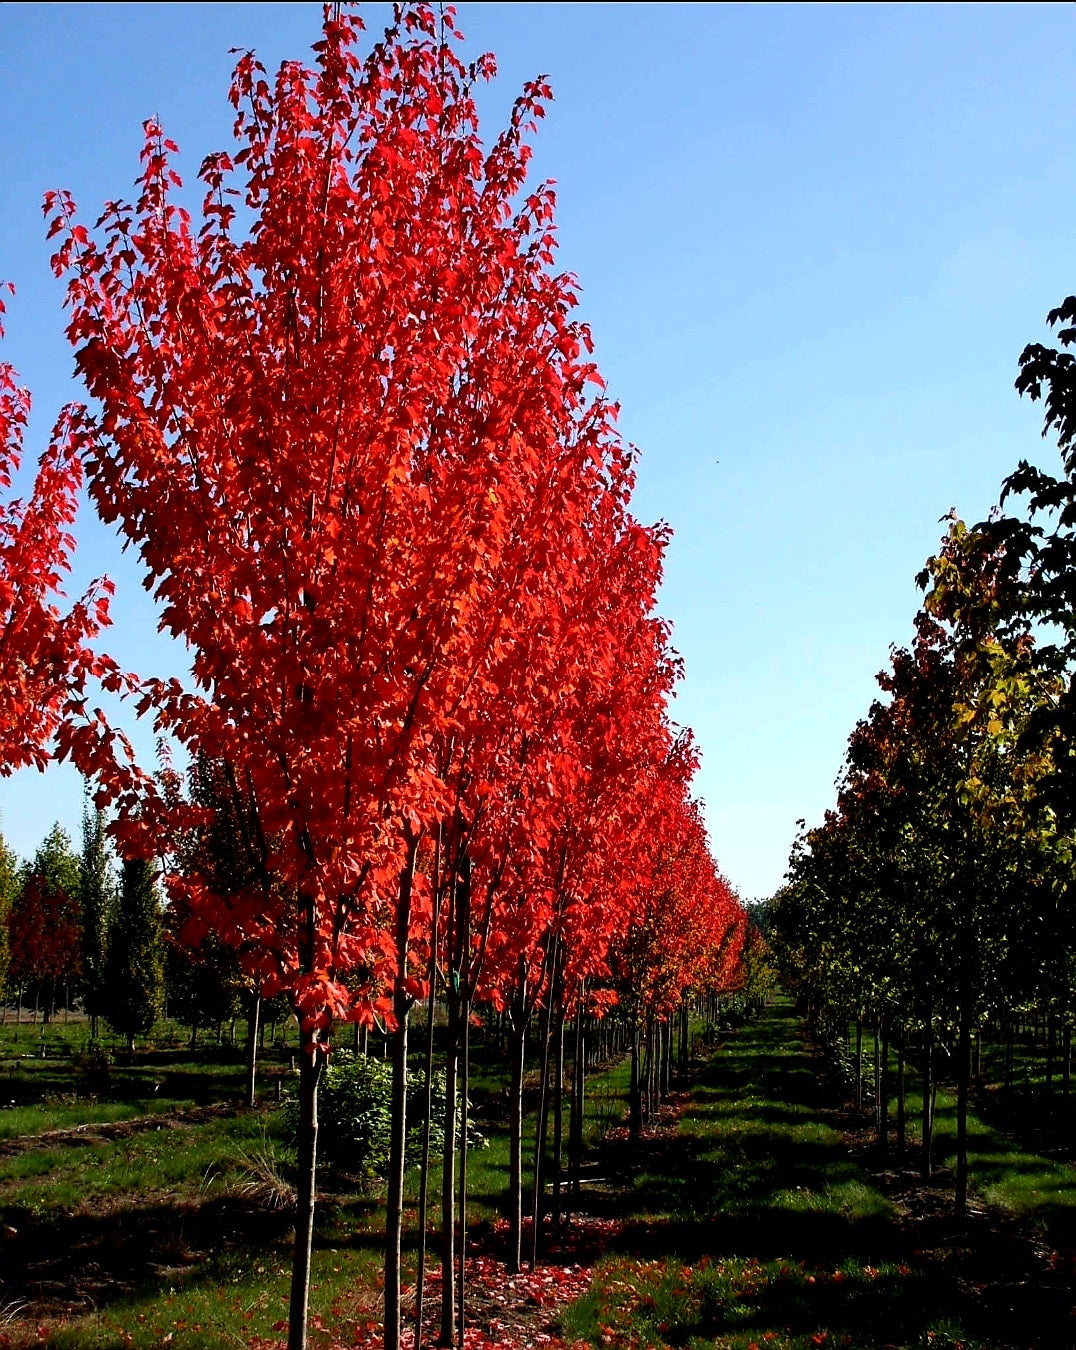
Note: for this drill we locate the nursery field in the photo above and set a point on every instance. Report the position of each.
(751, 1213)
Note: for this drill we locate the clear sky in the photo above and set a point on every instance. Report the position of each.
(812, 242)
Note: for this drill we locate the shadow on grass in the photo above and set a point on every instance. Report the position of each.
(758, 1179)
(91, 1260)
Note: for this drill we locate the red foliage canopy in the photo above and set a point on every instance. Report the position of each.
(346, 424)
(44, 657)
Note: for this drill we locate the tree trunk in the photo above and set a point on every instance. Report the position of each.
(395, 1178)
(575, 1145)
(542, 1126)
(928, 1095)
(515, 1136)
(252, 1047)
(859, 1062)
(962, 1085)
(465, 1078)
(424, 1169)
(448, 1179)
(635, 1103)
(883, 1086)
(902, 1127)
(558, 1118)
(310, 1067)
(401, 1006)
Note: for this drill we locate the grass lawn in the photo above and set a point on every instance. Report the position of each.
(1014, 1159)
(740, 1220)
(755, 1226)
(154, 1225)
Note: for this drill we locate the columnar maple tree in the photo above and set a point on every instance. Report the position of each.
(356, 439)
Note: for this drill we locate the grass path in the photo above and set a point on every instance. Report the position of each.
(754, 1225)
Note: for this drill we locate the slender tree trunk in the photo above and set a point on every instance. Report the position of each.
(424, 1170)
(448, 1179)
(883, 1086)
(902, 1128)
(962, 1086)
(558, 1118)
(648, 1069)
(401, 1005)
(635, 1104)
(859, 1062)
(578, 1099)
(310, 1066)
(542, 1128)
(465, 1075)
(928, 1095)
(252, 1047)
(515, 1135)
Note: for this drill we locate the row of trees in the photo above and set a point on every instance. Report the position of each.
(937, 898)
(74, 933)
(354, 435)
(71, 934)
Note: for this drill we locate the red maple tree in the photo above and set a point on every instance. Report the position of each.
(354, 435)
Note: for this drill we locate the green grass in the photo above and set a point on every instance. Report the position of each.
(167, 1219)
(1004, 1169)
(756, 1228)
(742, 1302)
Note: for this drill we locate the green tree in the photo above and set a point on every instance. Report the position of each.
(134, 960)
(204, 982)
(97, 895)
(9, 884)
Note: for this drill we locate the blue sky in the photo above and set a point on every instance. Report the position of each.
(812, 241)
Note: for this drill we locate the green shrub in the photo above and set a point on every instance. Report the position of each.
(93, 1069)
(355, 1115)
